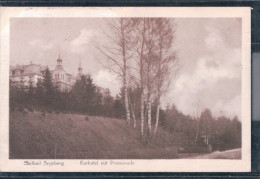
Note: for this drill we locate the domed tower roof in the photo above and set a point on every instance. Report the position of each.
(59, 66)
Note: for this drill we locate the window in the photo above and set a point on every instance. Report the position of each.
(13, 72)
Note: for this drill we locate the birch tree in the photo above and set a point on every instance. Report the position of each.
(154, 38)
(197, 107)
(118, 53)
(139, 48)
(133, 103)
(167, 65)
(150, 58)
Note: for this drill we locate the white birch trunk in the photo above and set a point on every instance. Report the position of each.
(133, 113)
(149, 117)
(141, 81)
(157, 118)
(134, 119)
(126, 103)
(142, 115)
(197, 130)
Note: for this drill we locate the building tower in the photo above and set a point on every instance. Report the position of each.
(59, 61)
(59, 64)
(79, 71)
(59, 71)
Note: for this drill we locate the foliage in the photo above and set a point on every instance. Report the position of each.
(85, 97)
(222, 132)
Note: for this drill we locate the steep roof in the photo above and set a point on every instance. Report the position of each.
(59, 68)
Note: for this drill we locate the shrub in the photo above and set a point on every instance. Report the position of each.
(36, 108)
(43, 114)
(25, 112)
(21, 109)
(86, 118)
(30, 108)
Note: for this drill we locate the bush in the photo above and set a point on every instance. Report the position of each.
(43, 114)
(49, 111)
(86, 118)
(30, 108)
(25, 112)
(198, 147)
(21, 109)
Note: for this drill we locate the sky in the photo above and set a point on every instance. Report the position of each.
(208, 49)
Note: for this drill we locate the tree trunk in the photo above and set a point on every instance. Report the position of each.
(126, 103)
(132, 109)
(149, 122)
(142, 115)
(197, 130)
(134, 119)
(125, 73)
(141, 80)
(157, 118)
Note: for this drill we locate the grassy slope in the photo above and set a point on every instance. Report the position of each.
(35, 136)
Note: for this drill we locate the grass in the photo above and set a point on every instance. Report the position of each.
(72, 136)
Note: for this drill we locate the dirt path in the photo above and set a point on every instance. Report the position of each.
(228, 154)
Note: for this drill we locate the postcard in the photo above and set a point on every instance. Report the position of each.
(125, 89)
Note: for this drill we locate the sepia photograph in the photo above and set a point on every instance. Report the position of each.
(126, 88)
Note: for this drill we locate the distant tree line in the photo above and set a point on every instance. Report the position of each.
(220, 133)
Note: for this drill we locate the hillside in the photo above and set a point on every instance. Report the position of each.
(34, 135)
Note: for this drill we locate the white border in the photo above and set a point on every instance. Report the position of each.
(176, 165)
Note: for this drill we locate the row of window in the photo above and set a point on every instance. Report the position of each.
(20, 72)
(59, 76)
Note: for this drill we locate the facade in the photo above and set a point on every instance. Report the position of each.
(62, 79)
(26, 74)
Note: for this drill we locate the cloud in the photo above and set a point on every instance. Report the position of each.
(40, 43)
(213, 39)
(79, 44)
(106, 80)
(213, 76)
(230, 109)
